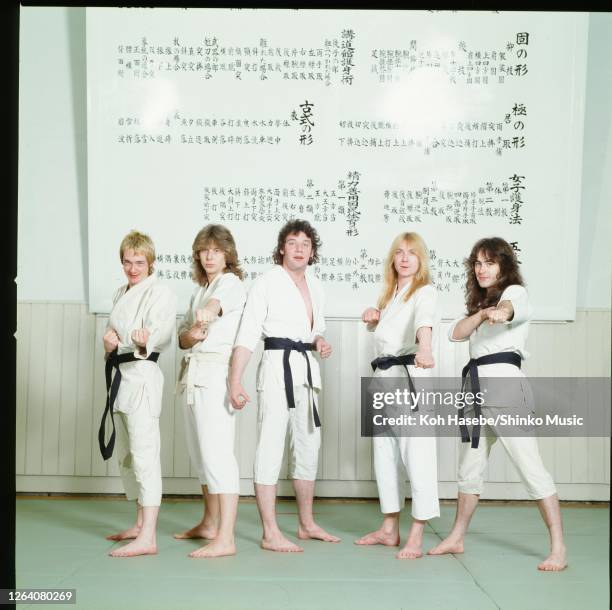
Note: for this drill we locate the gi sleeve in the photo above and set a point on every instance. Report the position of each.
(188, 320)
(319, 322)
(451, 329)
(425, 308)
(117, 294)
(160, 321)
(253, 316)
(230, 293)
(519, 298)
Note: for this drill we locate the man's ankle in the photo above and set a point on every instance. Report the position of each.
(271, 532)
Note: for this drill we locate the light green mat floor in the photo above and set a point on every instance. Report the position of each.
(60, 543)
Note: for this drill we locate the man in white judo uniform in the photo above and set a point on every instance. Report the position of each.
(140, 326)
(497, 325)
(208, 331)
(285, 307)
(403, 324)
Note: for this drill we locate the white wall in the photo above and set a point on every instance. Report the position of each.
(596, 217)
(53, 178)
(52, 155)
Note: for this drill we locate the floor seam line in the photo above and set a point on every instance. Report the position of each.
(478, 585)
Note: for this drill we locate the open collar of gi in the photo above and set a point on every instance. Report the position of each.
(399, 294)
(205, 290)
(393, 304)
(313, 300)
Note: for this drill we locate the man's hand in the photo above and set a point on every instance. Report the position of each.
(323, 347)
(240, 358)
(371, 315)
(111, 340)
(238, 396)
(198, 332)
(205, 316)
(424, 359)
(496, 315)
(140, 337)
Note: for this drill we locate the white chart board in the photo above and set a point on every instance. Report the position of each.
(365, 123)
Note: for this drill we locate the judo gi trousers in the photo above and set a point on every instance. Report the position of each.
(138, 453)
(416, 456)
(522, 450)
(210, 427)
(524, 454)
(273, 419)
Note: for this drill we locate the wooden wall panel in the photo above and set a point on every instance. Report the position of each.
(61, 393)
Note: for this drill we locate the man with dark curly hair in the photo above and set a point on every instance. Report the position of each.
(496, 326)
(285, 307)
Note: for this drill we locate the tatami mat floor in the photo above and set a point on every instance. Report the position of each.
(60, 543)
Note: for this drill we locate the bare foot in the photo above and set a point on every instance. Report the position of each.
(209, 532)
(217, 548)
(410, 551)
(128, 534)
(380, 537)
(555, 562)
(447, 545)
(315, 532)
(136, 547)
(280, 544)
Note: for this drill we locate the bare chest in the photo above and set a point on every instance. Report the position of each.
(305, 294)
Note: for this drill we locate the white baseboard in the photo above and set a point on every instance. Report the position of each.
(595, 492)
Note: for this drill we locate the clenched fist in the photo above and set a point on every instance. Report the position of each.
(140, 337)
(111, 340)
(371, 315)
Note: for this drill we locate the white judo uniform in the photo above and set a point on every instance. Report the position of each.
(151, 305)
(275, 308)
(523, 451)
(395, 335)
(210, 420)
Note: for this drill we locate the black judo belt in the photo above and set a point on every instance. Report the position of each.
(386, 362)
(112, 389)
(472, 368)
(287, 345)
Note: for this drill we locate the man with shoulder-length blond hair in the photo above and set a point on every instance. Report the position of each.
(285, 307)
(140, 326)
(403, 323)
